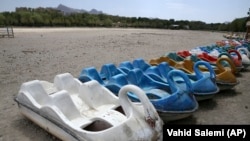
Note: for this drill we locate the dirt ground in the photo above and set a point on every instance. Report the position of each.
(43, 53)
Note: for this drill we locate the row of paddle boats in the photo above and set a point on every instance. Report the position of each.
(131, 100)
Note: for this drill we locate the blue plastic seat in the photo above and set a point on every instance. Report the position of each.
(91, 73)
(141, 64)
(109, 70)
(126, 66)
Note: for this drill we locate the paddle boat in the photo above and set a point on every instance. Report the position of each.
(203, 85)
(235, 57)
(206, 57)
(186, 65)
(225, 78)
(171, 108)
(75, 111)
(175, 56)
(198, 79)
(245, 55)
(192, 58)
(172, 102)
(184, 53)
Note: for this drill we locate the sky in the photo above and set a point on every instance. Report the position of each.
(209, 11)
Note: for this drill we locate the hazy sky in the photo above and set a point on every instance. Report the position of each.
(209, 11)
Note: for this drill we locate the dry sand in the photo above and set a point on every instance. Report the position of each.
(42, 53)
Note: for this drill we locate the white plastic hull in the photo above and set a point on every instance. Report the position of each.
(46, 124)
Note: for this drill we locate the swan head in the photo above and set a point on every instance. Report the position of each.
(150, 115)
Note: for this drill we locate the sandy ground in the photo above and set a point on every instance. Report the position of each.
(43, 53)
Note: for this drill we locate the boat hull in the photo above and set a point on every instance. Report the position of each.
(46, 124)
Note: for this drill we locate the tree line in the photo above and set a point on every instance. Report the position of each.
(49, 17)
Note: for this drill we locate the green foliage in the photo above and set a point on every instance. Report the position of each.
(39, 17)
(238, 25)
(2, 19)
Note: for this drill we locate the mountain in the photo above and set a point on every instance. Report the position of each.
(67, 10)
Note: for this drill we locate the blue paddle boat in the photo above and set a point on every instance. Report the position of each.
(171, 101)
(175, 103)
(203, 83)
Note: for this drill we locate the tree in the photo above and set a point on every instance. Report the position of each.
(238, 25)
(2, 19)
(37, 19)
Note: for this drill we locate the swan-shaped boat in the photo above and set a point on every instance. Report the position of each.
(245, 56)
(171, 108)
(203, 85)
(175, 56)
(71, 110)
(198, 79)
(225, 78)
(186, 65)
(172, 101)
(236, 58)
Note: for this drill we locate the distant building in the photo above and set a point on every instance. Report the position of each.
(174, 26)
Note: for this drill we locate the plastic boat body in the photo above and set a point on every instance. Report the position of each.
(71, 110)
(157, 92)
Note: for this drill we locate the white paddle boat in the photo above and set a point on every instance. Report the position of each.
(75, 111)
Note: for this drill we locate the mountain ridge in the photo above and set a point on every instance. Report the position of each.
(68, 10)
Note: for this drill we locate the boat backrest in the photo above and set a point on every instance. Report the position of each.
(92, 73)
(109, 70)
(126, 64)
(135, 76)
(35, 90)
(119, 79)
(96, 95)
(153, 70)
(141, 64)
(175, 56)
(67, 82)
(164, 68)
(65, 104)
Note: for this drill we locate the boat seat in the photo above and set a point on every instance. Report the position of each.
(62, 107)
(63, 101)
(175, 56)
(34, 93)
(59, 103)
(155, 74)
(119, 79)
(97, 96)
(164, 68)
(126, 66)
(109, 70)
(67, 82)
(141, 64)
(137, 77)
(142, 80)
(90, 73)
